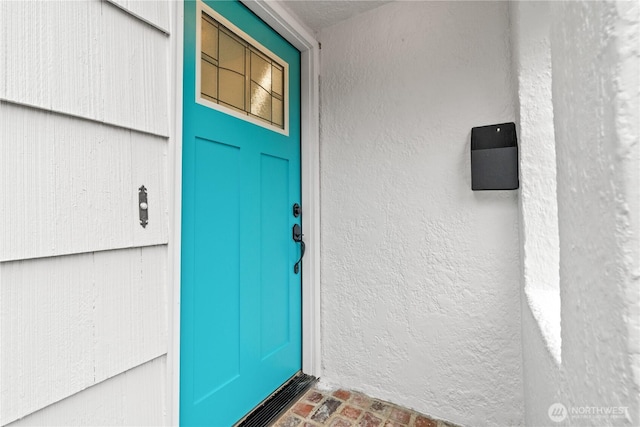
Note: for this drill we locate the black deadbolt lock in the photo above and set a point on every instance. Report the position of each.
(297, 237)
(297, 233)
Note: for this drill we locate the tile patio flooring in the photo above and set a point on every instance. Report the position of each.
(343, 408)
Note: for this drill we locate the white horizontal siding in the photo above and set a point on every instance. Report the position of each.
(155, 12)
(71, 185)
(84, 122)
(86, 58)
(135, 398)
(67, 323)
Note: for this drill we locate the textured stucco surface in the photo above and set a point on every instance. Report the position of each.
(539, 251)
(319, 14)
(420, 275)
(596, 69)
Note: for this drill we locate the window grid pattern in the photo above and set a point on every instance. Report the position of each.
(235, 74)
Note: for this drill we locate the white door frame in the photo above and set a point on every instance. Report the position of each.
(288, 27)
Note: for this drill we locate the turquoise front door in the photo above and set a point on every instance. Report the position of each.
(240, 298)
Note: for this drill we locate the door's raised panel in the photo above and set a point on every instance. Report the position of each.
(87, 59)
(69, 322)
(216, 295)
(275, 214)
(74, 185)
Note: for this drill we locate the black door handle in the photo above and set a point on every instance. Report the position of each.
(297, 237)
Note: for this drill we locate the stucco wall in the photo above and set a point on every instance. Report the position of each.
(539, 245)
(595, 80)
(420, 275)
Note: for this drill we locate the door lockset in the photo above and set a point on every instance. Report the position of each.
(297, 233)
(297, 237)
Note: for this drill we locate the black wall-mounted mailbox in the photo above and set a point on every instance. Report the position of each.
(494, 157)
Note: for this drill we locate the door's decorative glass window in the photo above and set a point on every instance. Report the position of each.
(239, 76)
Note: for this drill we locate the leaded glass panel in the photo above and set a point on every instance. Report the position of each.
(237, 75)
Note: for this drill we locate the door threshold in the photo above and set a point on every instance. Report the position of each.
(278, 402)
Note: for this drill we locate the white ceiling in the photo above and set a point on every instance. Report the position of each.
(319, 14)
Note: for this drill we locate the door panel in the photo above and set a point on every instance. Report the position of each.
(240, 299)
(216, 175)
(274, 222)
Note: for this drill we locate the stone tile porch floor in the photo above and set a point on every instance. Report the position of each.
(344, 408)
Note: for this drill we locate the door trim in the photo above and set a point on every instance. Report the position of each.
(299, 36)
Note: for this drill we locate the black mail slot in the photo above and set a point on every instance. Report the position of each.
(494, 157)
